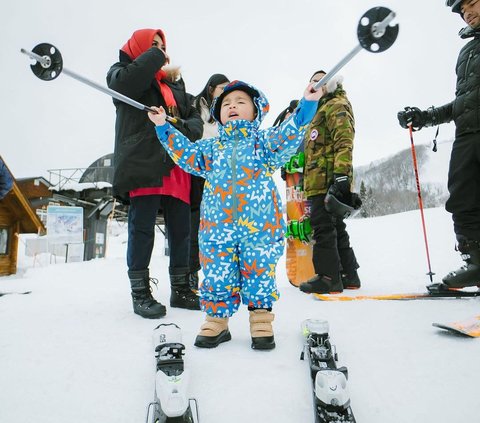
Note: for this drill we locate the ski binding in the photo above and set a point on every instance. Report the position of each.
(331, 396)
(171, 403)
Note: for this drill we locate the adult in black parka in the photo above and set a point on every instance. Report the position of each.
(145, 177)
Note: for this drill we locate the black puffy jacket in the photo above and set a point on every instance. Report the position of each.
(139, 159)
(465, 109)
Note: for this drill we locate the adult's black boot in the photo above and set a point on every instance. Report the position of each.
(143, 302)
(182, 296)
(469, 273)
(350, 280)
(321, 284)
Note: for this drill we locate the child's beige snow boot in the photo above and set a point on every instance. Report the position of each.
(261, 329)
(213, 332)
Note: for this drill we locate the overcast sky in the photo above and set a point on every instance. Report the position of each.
(274, 44)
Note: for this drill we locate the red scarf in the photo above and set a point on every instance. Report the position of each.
(138, 44)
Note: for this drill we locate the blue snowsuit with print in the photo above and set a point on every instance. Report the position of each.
(242, 228)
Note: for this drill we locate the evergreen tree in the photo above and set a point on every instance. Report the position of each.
(364, 198)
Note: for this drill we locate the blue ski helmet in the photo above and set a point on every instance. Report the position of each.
(259, 100)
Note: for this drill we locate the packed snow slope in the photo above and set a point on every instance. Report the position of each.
(73, 351)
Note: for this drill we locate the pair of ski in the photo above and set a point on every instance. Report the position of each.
(172, 405)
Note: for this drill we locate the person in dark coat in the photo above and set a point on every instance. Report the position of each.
(145, 177)
(464, 169)
(6, 180)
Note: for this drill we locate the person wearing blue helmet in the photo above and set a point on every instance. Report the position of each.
(241, 228)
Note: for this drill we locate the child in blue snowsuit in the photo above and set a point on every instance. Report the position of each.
(241, 228)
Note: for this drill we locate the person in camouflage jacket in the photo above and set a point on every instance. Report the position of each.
(328, 164)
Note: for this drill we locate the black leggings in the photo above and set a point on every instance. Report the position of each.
(142, 213)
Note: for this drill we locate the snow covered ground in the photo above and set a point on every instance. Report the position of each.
(73, 351)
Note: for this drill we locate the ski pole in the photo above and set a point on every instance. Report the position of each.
(375, 34)
(49, 65)
(420, 202)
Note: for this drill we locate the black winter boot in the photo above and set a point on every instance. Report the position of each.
(143, 302)
(469, 273)
(350, 280)
(321, 284)
(182, 295)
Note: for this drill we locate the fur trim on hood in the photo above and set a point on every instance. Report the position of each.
(334, 83)
(173, 73)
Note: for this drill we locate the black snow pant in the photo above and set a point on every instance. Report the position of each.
(464, 187)
(332, 253)
(141, 231)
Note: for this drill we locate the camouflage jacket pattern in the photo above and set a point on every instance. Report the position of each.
(328, 143)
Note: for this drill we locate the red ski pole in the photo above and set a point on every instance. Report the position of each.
(420, 202)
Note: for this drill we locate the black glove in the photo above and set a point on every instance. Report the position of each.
(283, 173)
(356, 201)
(341, 185)
(413, 116)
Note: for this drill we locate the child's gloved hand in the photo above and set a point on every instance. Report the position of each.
(311, 95)
(158, 118)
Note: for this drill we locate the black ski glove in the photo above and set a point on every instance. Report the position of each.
(356, 201)
(415, 117)
(341, 185)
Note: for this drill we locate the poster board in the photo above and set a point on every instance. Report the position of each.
(65, 232)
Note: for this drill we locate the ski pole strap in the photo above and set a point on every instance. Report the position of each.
(296, 163)
(300, 230)
(434, 148)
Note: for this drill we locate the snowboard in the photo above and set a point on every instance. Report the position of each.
(431, 294)
(331, 399)
(299, 232)
(171, 403)
(469, 327)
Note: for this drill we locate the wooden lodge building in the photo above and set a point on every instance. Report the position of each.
(16, 217)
